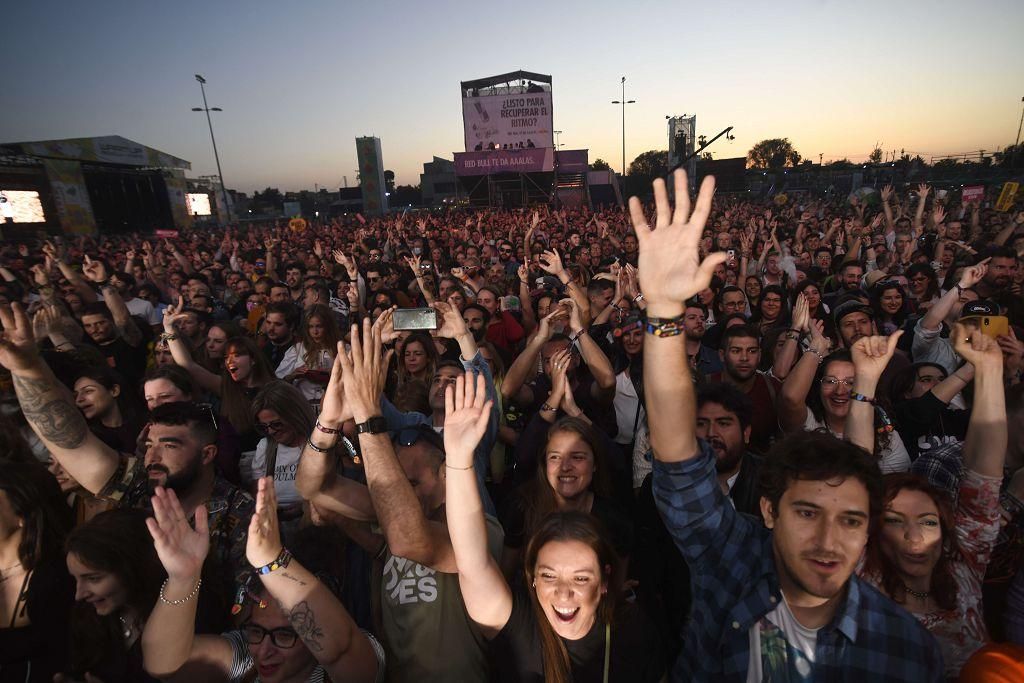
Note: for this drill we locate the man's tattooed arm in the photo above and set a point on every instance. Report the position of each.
(50, 411)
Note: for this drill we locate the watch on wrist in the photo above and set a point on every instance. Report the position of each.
(375, 425)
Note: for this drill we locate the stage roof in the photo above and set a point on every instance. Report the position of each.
(109, 149)
(506, 78)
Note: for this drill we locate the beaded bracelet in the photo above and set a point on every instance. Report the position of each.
(281, 562)
(194, 593)
(665, 327)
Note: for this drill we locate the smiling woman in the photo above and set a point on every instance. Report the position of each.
(117, 578)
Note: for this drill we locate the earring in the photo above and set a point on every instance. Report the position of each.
(534, 584)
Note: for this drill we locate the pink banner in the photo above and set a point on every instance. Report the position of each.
(503, 161)
(972, 193)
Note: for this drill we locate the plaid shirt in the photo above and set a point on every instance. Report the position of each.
(734, 584)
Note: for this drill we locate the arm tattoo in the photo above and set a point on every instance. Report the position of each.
(292, 577)
(304, 623)
(48, 409)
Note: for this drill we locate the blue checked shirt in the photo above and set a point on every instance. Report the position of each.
(734, 584)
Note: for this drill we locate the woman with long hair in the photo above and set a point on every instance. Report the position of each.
(566, 622)
(572, 473)
(117, 577)
(931, 554)
(924, 286)
(772, 309)
(752, 288)
(211, 355)
(308, 362)
(244, 372)
(36, 592)
(816, 396)
(890, 305)
(110, 407)
(418, 359)
(812, 293)
(284, 419)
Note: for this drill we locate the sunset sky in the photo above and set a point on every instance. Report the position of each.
(299, 81)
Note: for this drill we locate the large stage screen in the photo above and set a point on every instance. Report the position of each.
(512, 121)
(21, 206)
(198, 203)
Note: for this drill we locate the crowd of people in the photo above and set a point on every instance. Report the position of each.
(718, 440)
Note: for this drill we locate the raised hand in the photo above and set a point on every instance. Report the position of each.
(361, 371)
(923, 190)
(172, 314)
(550, 262)
(466, 413)
(871, 354)
(670, 269)
(333, 410)
(384, 326)
(977, 349)
(575, 318)
(452, 325)
(886, 193)
(801, 314)
(972, 275)
(181, 549)
(263, 544)
(318, 249)
(938, 214)
(17, 342)
(414, 265)
(94, 270)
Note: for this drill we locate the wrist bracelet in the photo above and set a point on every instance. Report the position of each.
(638, 297)
(168, 336)
(862, 398)
(574, 338)
(818, 355)
(282, 561)
(309, 442)
(665, 327)
(163, 599)
(463, 469)
(545, 407)
(326, 430)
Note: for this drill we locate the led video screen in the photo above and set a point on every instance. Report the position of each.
(21, 206)
(198, 203)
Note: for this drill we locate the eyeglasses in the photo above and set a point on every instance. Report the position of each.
(281, 637)
(373, 279)
(505, 251)
(834, 382)
(267, 427)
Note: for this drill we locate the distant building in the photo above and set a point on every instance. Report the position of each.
(438, 183)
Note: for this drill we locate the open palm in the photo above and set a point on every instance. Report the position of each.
(181, 549)
(17, 343)
(466, 412)
(670, 269)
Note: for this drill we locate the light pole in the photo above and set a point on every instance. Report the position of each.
(209, 121)
(557, 133)
(623, 102)
(1021, 124)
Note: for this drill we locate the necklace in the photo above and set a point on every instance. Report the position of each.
(126, 627)
(917, 594)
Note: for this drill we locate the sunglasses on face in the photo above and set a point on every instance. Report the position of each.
(267, 427)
